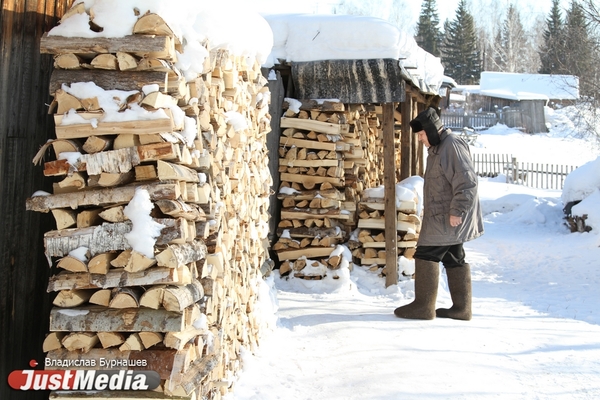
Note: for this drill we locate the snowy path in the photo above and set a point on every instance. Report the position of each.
(535, 332)
(352, 347)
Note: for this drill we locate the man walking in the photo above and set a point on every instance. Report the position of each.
(451, 216)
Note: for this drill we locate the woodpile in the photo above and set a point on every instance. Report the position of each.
(312, 189)
(198, 157)
(577, 223)
(371, 232)
(329, 154)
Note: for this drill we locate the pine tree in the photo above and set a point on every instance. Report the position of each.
(580, 48)
(460, 48)
(553, 47)
(428, 33)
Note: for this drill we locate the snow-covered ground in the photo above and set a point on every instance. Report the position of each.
(535, 332)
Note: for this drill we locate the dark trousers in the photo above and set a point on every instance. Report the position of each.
(451, 256)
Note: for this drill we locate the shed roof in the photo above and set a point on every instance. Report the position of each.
(350, 81)
(513, 86)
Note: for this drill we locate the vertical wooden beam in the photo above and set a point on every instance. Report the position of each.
(417, 157)
(389, 180)
(406, 137)
(420, 148)
(24, 126)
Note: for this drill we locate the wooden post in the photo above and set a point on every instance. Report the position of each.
(389, 164)
(24, 125)
(406, 138)
(420, 169)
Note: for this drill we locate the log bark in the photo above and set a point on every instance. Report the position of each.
(102, 197)
(124, 159)
(109, 80)
(119, 278)
(100, 319)
(141, 45)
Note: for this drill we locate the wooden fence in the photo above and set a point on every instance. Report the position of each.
(513, 118)
(535, 175)
(491, 165)
(475, 121)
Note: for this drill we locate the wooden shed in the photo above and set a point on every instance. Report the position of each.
(379, 84)
(517, 100)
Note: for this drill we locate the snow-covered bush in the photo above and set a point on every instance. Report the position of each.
(581, 197)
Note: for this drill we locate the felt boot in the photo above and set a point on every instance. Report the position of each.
(426, 286)
(459, 284)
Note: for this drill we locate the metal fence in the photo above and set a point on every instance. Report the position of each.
(535, 175)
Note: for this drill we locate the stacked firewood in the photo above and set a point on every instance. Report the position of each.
(314, 215)
(177, 164)
(319, 142)
(371, 230)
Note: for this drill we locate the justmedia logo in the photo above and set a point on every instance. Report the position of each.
(83, 380)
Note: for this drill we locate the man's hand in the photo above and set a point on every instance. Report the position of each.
(455, 221)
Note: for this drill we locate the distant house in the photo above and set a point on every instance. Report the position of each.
(518, 100)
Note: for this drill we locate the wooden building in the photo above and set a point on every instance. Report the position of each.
(517, 100)
(380, 84)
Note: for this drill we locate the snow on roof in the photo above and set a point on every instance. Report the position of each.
(529, 86)
(310, 37)
(508, 94)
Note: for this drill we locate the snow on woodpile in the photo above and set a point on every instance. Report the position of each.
(305, 37)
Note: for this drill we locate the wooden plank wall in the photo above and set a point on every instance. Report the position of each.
(277, 89)
(24, 127)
